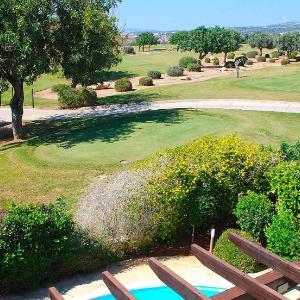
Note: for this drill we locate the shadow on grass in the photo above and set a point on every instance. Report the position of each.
(129, 97)
(109, 129)
(114, 75)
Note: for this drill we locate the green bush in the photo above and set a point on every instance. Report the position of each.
(129, 50)
(209, 172)
(275, 54)
(261, 59)
(34, 241)
(271, 60)
(293, 55)
(57, 87)
(229, 252)
(285, 62)
(154, 74)
(175, 71)
(249, 62)
(284, 236)
(216, 61)
(194, 68)
(254, 213)
(290, 151)
(146, 81)
(252, 54)
(207, 60)
(71, 98)
(284, 180)
(123, 85)
(187, 60)
(231, 55)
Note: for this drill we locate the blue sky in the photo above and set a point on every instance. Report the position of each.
(187, 14)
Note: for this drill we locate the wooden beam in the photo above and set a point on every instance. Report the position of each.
(116, 288)
(54, 294)
(242, 280)
(288, 269)
(178, 284)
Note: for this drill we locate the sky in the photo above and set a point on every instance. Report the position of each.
(188, 14)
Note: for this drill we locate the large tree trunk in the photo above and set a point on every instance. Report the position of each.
(260, 51)
(225, 58)
(16, 105)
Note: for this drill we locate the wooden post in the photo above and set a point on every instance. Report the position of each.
(32, 98)
(193, 233)
(212, 237)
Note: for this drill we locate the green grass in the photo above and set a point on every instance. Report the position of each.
(62, 158)
(273, 83)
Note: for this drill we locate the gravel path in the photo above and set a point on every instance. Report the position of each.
(254, 105)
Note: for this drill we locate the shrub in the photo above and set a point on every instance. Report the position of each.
(123, 85)
(57, 87)
(71, 98)
(290, 151)
(199, 183)
(207, 60)
(87, 96)
(284, 236)
(298, 59)
(252, 54)
(285, 183)
(175, 71)
(129, 50)
(194, 68)
(34, 240)
(187, 60)
(275, 54)
(249, 62)
(146, 81)
(261, 59)
(271, 60)
(216, 61)
(254, 214)
(293, 55)
(231, 55)
(285, 62)
(230, 64)
(154, 74)
(229, 252)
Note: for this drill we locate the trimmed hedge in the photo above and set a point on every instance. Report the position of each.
(275, 54)
(146, 81)
(154, 74)
(194, 68)
(254, 213)
(231, 55)
(207, 60)
(216, 61)
(249, 62)
(285, 62)
(187, 60)
(229, 252)
(175, 71)
(123, 85)
(129, 50)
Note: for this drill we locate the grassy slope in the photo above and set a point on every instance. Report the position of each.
(65, 156)
(273, 83)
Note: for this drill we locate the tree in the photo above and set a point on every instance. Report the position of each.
(146, 38)
(224, 40)
(88, 40)
(261, 40)
(288, 42)
(29, 30)
(178, 38)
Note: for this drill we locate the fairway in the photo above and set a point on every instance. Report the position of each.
(64, 157)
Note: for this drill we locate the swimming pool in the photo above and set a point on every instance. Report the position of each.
(163, 293)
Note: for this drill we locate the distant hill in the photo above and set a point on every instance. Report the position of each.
(274, 28)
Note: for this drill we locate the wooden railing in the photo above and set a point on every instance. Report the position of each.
(265, 287)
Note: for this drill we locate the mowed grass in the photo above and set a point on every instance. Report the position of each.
(63, 158)
(272, 83)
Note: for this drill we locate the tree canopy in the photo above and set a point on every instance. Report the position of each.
(261, 40)
(146, 38)
(78, 34)
(288, 42)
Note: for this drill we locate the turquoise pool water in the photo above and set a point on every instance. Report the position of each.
(163, 293)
